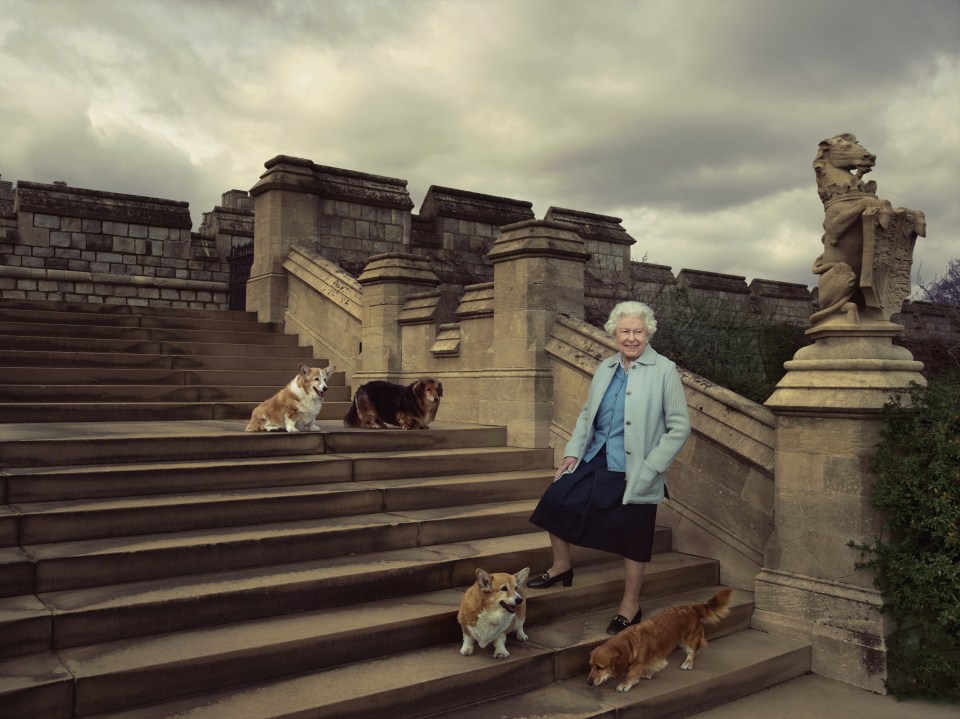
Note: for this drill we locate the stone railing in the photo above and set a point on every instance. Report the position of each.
(323, 308)
(514, 352)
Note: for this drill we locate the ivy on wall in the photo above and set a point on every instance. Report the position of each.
(916, 560)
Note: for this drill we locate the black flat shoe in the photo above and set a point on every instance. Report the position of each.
(544, 580)
(619, 623)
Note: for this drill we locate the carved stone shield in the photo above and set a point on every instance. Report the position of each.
(887, 259)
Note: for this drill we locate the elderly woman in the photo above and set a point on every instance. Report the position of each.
(607, 488)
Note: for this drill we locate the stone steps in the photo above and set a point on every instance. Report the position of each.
(61, 359)
(131, 345)
(73, 520)
(114, 674)
(71, 331)
(42, 310)
(118, 411)
(733, 666)
(99, 562)
(141, 394)
(114, 376)
(158, 561)
(93, 443)
(50, 484)
(143, 360)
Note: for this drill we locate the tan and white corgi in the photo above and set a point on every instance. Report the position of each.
(295, 407)
(491, 607)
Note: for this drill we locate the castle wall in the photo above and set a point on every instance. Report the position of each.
(70, 244)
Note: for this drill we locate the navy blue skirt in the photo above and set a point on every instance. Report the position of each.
(585, 508)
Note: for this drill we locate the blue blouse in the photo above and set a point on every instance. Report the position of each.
(608, 424)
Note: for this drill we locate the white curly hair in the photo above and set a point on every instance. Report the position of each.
(632, 308)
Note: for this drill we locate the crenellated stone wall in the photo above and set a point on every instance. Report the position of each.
(72, 244)
(230, 223)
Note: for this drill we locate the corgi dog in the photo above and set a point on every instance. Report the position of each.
(295, 407)
(641, 651)
(491, 607)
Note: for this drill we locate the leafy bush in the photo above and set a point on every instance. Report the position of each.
(916, 560)
(741, 350)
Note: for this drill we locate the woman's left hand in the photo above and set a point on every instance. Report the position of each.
(565, 466)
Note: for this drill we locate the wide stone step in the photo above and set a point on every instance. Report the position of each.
(123, 310)
(48, 522)
(146, 376)
(13, 332)
(121, 674)
(70, 565)
(98, 614)
(733, 666)
(113, 675)
(287, 357)
(231, 322)
(95, 443)
(254, 348)
(39, 394)
(421, 682)
(16, 572)
(47, 484)
(135, 411)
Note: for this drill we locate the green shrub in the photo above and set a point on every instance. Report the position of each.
(916, 560)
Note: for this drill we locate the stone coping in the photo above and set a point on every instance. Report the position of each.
(32, 273)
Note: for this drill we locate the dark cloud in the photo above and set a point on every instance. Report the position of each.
(696, 121)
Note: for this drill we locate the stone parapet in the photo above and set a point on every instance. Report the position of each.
(229, 224)
(106, 288)
(607, 242)
(785, 302)
(458, 228)
(6, 199)
(298, 174)
(713, 281)
(110, 242)
(453, 204)
(64, 201)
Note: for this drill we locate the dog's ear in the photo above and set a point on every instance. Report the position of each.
(418, 388)
(330, 370)
(304, 370)
(521, 576)
(439, 389)
(484, 580)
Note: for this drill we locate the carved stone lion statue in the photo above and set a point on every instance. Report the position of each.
(840, 165)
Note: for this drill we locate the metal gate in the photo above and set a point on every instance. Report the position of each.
(241, 259)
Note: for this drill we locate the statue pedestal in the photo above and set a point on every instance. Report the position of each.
(828, 410)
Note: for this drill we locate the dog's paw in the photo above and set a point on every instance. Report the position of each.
(521, 636)
(501, 654)
(687, 665)
(624, 687)
(466, 651)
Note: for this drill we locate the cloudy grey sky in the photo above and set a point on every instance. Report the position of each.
(696, 121)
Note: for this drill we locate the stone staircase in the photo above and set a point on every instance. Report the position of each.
(157, 561)
(73, 362)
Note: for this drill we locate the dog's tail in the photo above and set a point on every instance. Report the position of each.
(352, 417)
(716, 609)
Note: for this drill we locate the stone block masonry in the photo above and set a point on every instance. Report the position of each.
(77, 245)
